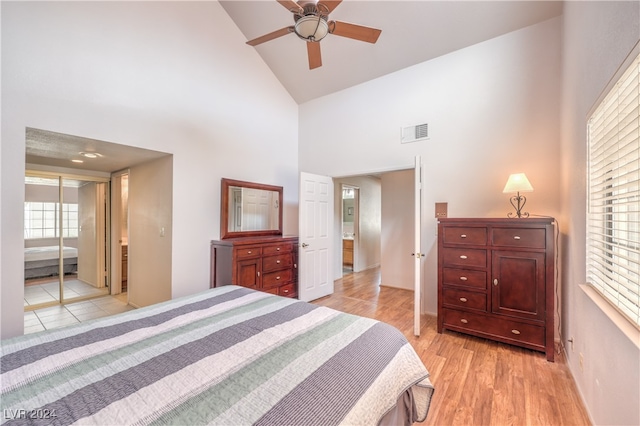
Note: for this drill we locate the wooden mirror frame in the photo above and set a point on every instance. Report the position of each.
(224, 209)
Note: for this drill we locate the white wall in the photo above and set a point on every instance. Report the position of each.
(597, 38)
(397, 239)
(492, 109)
(175, 77)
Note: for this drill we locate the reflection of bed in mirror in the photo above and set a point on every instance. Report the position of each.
(42, 262)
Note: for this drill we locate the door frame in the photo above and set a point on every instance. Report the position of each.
(116, 226)
(417, 229)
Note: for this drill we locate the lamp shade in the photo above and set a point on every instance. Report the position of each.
(311, 28)
(518, 182)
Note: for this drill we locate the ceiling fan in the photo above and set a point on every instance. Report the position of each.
(312, 24)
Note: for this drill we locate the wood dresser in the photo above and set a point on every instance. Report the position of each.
(268, 264)
(496, 280)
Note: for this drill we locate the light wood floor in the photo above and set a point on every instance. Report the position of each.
(477, 381)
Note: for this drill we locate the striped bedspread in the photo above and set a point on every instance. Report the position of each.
(228, 356)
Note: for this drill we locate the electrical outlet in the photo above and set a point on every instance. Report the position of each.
(441, 210)
(581, 362)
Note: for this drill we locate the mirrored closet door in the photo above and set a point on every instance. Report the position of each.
(65, 239)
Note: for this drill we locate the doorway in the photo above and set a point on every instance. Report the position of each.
(65, 238)
(350, 224)
(392, 227)
(384, 235)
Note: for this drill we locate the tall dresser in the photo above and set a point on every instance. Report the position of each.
(496, 280)
(268, 264)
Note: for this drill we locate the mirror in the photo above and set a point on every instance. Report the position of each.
(250, 209)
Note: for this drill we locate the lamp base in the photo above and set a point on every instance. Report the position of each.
(518, 201)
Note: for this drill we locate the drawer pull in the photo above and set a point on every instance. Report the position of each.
(464, 321)
(463, 257)
(285, 291)
(249, 252)
(463, 236)
(516, 237)
(277, 261)
(495, 281)
(277, 278)
(278, 249)
(463, 299)
(515, 331)
(463, 278)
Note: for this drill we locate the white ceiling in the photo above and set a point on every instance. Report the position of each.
(412, 32)
(57, 149)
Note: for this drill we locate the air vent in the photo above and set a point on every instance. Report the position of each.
(415, 133)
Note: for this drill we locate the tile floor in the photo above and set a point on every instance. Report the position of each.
(44, 292)
(72, 313)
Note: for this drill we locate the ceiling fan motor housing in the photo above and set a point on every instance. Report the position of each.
(312, 9)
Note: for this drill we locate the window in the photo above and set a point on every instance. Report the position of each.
(613, 215)
(41, 220)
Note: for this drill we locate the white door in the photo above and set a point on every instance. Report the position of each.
(315, 278)
(256, 208)
(417, 253)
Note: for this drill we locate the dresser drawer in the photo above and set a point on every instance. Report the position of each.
(464, 235)
(276, 263)
(464, 277)
(272, 249)
(491, 326)
(247, 252)
(464, 257)
(465, 299)
(276, 279)
(519, 237)
(288, 290)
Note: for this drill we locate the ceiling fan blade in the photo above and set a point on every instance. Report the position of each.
(313, 51)
(267, 37)
(291, 5)
(330, 4)
(357, 32)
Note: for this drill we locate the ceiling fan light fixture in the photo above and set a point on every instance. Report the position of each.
(311, 27)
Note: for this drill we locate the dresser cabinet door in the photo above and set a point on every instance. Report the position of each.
(248, 273)
(518, 284)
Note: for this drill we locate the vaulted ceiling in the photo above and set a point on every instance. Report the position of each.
(412, 32)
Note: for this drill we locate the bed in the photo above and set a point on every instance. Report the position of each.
(230, 356)
(44, 261)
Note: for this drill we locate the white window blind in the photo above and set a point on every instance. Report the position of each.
(613, 216)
